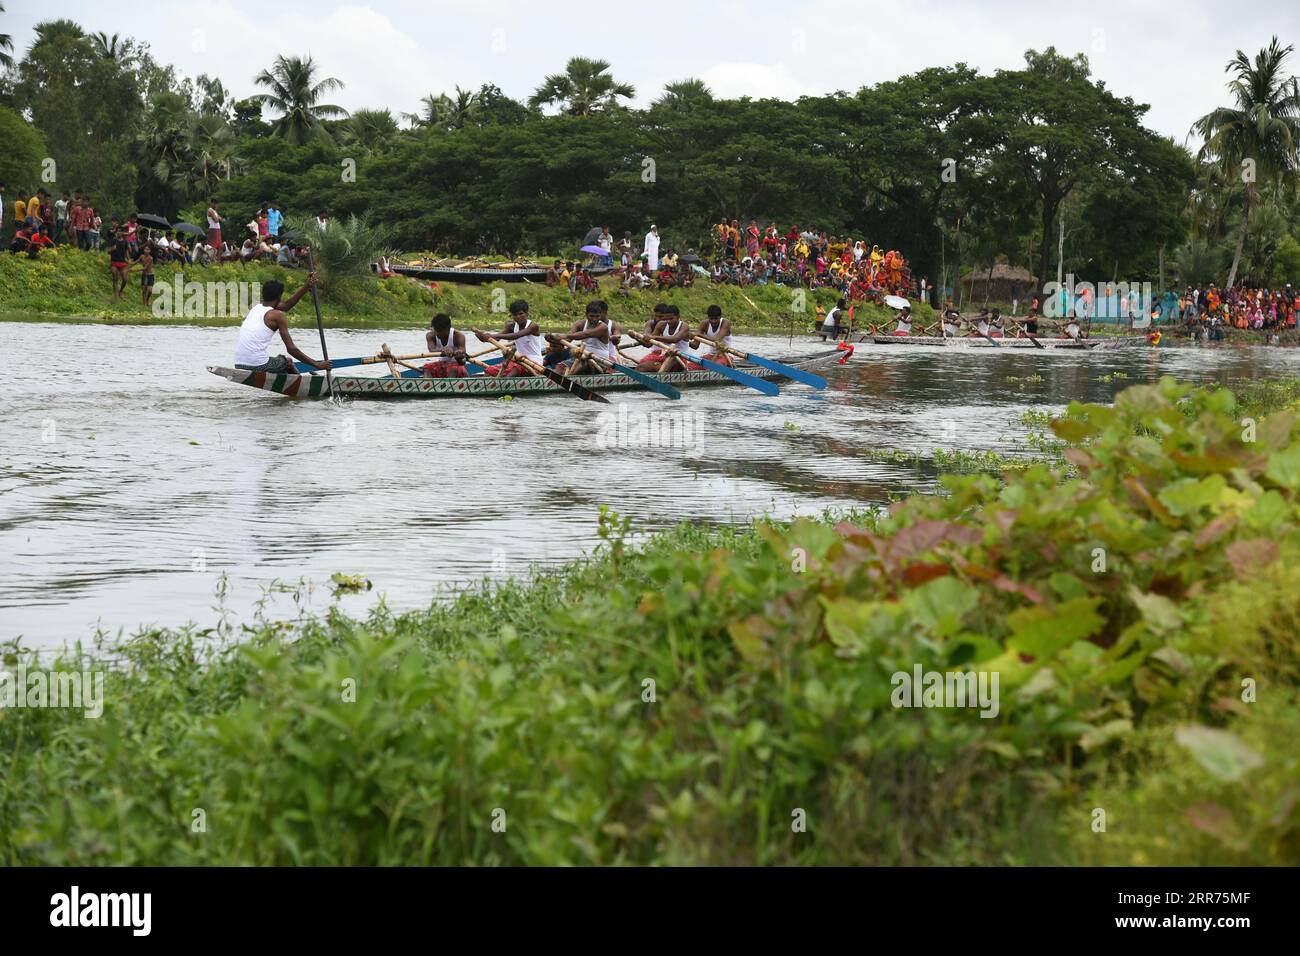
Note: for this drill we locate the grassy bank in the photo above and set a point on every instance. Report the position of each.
(729, 696)
(71, 285)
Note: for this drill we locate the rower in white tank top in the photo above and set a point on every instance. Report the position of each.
(254, 337)
(708, 349)
(527, 346)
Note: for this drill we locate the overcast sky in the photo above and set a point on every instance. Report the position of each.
(389, 53)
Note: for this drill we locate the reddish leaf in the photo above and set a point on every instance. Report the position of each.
(1248, 555)
(1004, 583)
(1215, 529)
(919, 573)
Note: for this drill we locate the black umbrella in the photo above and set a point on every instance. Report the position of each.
(152, 221)
(691, 258)
(592, 235)
(188, 227)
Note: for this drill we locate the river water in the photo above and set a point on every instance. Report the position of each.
(132, 482)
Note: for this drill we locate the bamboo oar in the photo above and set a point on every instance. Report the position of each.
(789, 371)
(320, 323)
(744, 378)
(569, 385)
(653, 384)
(1037, 344)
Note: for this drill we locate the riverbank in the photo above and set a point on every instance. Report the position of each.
(71, 285)
(740, 695)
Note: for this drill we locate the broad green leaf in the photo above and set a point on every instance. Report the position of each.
(1041, 631)
(1224, 754)
(1189, 495)
(1284, 467)
(940, 605)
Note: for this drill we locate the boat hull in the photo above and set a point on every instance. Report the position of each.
(976, 342)
(479, 276)
(484, 386)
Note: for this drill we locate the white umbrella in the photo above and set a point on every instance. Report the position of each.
(896, 302)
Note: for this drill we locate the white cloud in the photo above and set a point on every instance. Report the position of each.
(392, 52)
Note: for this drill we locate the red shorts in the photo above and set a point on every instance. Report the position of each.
(119, 266)
(445, 369)
(652, 360)
(900, 333)
(509, 370)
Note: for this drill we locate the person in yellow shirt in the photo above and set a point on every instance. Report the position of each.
(20, 209)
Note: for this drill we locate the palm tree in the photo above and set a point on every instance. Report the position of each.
(105, 47)
(445, 112)
(369, 130)
(210, 151)
(6, 46)
(162, 146)
(585, 87)
(684, 94)
(1261, 129)
(296, 94)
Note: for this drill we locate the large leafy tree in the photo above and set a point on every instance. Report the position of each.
(1257, 136)
(1057, 127)
(296, 94)
(24, 148)
(586, 86)
(87, 107)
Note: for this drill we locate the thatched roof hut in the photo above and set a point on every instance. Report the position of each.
(999, 285)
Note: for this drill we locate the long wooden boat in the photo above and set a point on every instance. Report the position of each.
(976, 342)
(487, 386)
(485, 274)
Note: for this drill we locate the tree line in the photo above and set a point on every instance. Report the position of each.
(1042, 165)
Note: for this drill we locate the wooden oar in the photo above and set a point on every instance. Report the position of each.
(320, 324)
(789, 371)
(1037, 344)
(569, 385)
(744, 378)
(663, 388)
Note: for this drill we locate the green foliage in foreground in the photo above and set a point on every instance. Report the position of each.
(69, 283)
(1122, 606)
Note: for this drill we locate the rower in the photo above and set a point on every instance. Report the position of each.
(449, 344)
(261, 324)
(592, 334)
(713, 328)
(1072, 327)
(831, 326)
(951, 322)
(982, 323)
(657, 318)
(995, 325)
(527, 339)
(674, 333)
(904, 321)
(1031, 320)
(615, 333)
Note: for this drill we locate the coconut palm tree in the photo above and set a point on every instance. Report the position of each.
(105, 47)
(6, 46)
(1256, 138)
(296, 93)
(446, 112)
(585, 87)
(369, 130)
